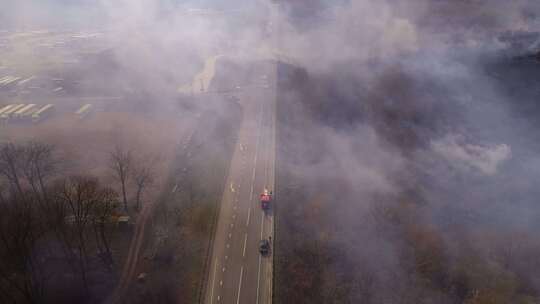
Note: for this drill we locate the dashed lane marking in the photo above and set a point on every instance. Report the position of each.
(240, 284)
(245, 243)
(258, 279)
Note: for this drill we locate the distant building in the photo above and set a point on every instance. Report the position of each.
(42, 113)
(84, 111)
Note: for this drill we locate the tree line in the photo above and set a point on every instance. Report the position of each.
(55, 230)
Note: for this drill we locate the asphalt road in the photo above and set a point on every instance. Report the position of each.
(237, 271)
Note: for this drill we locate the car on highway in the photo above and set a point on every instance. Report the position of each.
(266, 198)
(264, 247)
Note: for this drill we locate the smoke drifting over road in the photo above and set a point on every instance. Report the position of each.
(414, 130)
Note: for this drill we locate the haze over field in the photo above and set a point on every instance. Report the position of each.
(409, 131)
(424, 116)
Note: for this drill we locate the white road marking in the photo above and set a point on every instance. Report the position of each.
(213, 282)
(240, 284)
(258, 279)
(259, 135)
(269, 280)
(221, 283)
(223, 269)
(230, 235)
(253, 179)
(174, 189)
(245, 243)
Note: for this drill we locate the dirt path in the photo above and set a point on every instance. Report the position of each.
(130, 264)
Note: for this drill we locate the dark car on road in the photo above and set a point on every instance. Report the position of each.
(264, 247)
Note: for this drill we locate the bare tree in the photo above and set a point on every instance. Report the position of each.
(23, 224)
(29, 164)
(55, 211)
(39, 165)
(11, 164)
(143, 176)
(34, 212)
(2, 193)
(22, 278)
(80, 195)
(120, 162)
(106, 203)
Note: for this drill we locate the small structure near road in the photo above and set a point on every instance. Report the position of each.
(42, 113)
(123, 221)
(84, 111)
(20, 113)
(142, 277)
(4, 117)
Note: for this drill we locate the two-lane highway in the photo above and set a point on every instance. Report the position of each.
(237, 271)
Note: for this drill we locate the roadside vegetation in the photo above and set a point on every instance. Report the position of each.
(183, 222)
(65, 230)
(59, 233)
